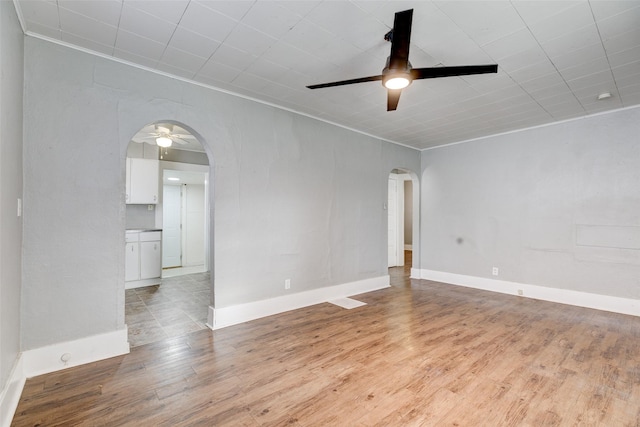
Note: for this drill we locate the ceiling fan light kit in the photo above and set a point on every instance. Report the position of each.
(397, 82)
(398, 73)
(164, 141)
(396, 78)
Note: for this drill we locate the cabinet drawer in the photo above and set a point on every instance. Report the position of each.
(131, 237)
(150, 236)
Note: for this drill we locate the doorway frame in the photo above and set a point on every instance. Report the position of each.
(209, 208)
(204, 169)
(415, 235)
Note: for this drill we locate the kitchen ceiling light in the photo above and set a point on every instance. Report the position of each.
(604, 95)
(163, 141)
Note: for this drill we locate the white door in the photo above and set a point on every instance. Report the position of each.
(193, 227)
(171, 233)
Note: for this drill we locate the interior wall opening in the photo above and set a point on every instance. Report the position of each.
(168, 281)
(402, 219)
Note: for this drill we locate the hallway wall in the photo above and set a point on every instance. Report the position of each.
(11, 92)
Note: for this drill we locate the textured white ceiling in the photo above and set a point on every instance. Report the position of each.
(554, 57)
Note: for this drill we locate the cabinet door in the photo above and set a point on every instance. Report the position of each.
(150, 260)
(132, 262)
(144, 181)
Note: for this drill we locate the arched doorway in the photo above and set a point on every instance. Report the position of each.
(403, 220)
(168, 279)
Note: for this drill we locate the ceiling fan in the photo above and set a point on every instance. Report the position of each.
(398, 73)
(162, 135)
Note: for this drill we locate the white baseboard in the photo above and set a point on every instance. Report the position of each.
(142, 283)
(227, 316)
(415, 273)
(408, 247)
(563, 296)
(84, 350)
(47, 359)
(10, 395)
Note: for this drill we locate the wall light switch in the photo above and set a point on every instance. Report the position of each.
(19, 207)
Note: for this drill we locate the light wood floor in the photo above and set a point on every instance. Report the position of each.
(418, 354)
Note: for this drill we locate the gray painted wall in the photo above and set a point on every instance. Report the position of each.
(11, 83)
(183, 156)
(294, 198)
(139, 216)
(553, 206)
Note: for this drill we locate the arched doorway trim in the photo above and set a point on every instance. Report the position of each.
(209, 191)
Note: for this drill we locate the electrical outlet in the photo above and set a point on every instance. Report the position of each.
(494, 271)
(287, 283)
(520, 292)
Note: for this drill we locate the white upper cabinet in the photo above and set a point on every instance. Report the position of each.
(142, 181)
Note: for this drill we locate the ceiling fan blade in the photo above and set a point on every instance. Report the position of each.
(181, 141)
(463, 70)
(151, 139)
(144, 140)
(183, 135)
(393, 96)
(346, 82)
(401, 36)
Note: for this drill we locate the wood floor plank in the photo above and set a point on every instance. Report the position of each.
(419, 353)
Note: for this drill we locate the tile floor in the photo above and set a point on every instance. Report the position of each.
(176, 307)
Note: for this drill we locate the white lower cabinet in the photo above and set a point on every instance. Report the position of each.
(150, 258)
(132, 262)
(143, 258)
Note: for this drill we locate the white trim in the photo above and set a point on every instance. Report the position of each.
(563, 296)
(47, 359)
(408, 247)
(133, 284)
(22, 25)
(84, 350)
(415, 273)
(601, 113)
(10, 395)
(228, 316)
